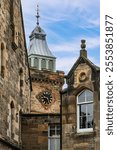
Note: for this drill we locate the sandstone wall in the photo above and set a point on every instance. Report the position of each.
(14, 72)
(83, 77)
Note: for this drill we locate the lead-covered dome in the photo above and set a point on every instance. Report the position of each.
(38, 44)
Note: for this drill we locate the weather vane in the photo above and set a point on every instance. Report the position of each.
(37, 16)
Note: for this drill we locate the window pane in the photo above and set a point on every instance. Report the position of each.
(86, 96)
(86, 116)
(50, 65)
(82, 122)
(89, 121)
(89, 95)
(36, 62)
(43, 64)
(52, 130)
(58, 144)
(58, 129)
(89, 115)
(81, 98)
(86, 122)
(82, 110)
(52, 127)
(82, 116)
(52, 144)
(89, 109)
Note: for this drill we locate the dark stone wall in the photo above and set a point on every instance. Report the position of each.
(35, 130)
(4, 147)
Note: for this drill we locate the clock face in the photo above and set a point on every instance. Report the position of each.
(46, 98)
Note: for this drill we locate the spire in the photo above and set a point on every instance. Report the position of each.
(38, 44)
(37, 16)
(83, 51)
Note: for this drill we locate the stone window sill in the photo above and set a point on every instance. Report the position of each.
(85, 134)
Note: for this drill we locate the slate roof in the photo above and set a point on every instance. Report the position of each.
(83, 59)
(38, 44)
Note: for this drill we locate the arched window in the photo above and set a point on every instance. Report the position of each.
(51, 65)
(43, 64)
(36, 62)
(2, 67)
(85, 111)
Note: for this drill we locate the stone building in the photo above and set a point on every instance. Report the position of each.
(35, 112)
(41, 128)
(80, 105)
(14, 74)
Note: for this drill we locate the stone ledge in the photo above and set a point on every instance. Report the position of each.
(82, 145)
(10, 143)
(84, 134)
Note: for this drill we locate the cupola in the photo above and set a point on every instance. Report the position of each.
(40, 56)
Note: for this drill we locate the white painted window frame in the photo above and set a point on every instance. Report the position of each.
(78, 121)
(52, 137)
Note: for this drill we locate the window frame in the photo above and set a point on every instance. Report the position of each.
(36, 62)
(56, 136)
(50, 66)
(43, 64)
(78, 112)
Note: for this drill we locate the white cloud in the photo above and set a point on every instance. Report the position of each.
(78, 13)
(61, 5)
(66, 63)
(58, 10)
(73, 45)
(95, 22)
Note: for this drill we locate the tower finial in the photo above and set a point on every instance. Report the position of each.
(83, 51)
(37, 16)
(83, 44)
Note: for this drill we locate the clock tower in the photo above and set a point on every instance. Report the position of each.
(45, 97)
(46, 81)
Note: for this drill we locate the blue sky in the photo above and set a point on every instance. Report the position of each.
(66, 22)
